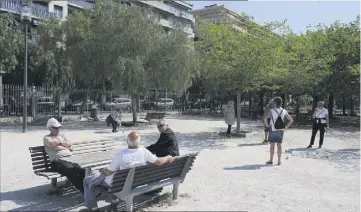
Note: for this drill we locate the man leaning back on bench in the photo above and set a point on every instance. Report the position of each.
(57, 146)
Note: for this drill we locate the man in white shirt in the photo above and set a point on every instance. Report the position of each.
(277, 116)
(320, 117)
(134, 154)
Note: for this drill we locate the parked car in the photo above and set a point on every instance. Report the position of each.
(165, 103)
(119, 103)
(76, 106)
(148, 105)
(45, 104)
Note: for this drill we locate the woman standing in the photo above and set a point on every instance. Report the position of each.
(229, 116)
(320, 122)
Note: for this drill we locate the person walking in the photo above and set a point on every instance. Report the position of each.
(229, 116)
(267, 112)
(320, 122)
(277, 116)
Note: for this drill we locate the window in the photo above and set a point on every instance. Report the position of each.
(58, 10)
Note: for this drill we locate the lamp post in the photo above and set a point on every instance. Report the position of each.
(26, 18)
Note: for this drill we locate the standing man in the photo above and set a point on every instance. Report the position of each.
(229, 116)
(57, 146)
(277, 117)
(267, 112)
(320, 122)
(167, 143)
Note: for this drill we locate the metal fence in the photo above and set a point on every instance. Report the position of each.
(44, 101)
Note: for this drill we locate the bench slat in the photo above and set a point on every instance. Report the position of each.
(49, 175)
(157, 171)
(89, 142)
(37, 154)
(85, 148)
(144, 180)
(80, 145)
(36, 149)
(91, 151)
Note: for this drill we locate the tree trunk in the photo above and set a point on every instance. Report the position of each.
(314, 101)
(250, 104)
(261, 103)
(344, 106)
(352, 107)
(284, 98)
(138, 102)
(330, 104)
(238, 130)
(58, 105)
(134, 109)
(85, 99)
(298, 105)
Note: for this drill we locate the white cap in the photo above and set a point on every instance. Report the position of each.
(53, 123)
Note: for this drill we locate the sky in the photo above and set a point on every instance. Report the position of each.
(299, 14)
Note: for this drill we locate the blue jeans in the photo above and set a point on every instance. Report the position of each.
(90, 199)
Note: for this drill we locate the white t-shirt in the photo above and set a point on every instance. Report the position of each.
(275, 112)
(321, 114)
(130, 157)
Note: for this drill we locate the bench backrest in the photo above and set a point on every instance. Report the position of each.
(40, 159)
(150, 173)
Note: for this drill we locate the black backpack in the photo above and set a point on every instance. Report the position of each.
(279, 124)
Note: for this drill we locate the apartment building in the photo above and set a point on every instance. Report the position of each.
(218, 14)
(171, 14)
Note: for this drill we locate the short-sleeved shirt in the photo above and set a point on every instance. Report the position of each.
(130, 157)
(275, 112)
(55, 154)
(321, 114)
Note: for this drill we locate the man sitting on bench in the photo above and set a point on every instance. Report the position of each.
(134, 154)
(56, 146)
(167, 143)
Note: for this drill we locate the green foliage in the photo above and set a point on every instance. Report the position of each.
(11, 40)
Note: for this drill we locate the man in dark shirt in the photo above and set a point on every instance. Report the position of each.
(167, 143)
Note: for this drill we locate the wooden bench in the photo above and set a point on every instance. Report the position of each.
(41, 163)
(135, 180)
(155, 115)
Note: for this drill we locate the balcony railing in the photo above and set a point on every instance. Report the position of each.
(169, 9)
(15, 7)
(81, 4)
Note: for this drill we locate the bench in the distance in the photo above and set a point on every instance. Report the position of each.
(41, 163)
(130, 182)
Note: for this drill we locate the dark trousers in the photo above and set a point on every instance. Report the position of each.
(114, 125)
(315, 128)
(229, 129)
(73, 172)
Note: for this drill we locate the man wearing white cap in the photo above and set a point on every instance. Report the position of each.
(57, 146)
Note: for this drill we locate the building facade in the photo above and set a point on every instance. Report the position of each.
(221, 15)
(172, 14)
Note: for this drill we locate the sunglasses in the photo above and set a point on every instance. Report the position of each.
(56, 128)
(160, 126)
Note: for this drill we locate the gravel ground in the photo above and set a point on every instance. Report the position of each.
(229, 174)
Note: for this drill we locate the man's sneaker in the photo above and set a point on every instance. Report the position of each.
(265, 141)
(309, 147)
(320, 147)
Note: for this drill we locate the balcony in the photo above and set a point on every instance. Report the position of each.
(38, 13)
(81, 4)
(169, 9)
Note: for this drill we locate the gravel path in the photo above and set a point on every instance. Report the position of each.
(229, 174)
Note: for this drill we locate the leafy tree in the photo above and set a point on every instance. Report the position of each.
(11, 40)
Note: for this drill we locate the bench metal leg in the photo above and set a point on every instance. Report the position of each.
(54, 184)
(175, 191)
(129, 204)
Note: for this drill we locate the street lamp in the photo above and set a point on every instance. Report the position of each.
(26, 18)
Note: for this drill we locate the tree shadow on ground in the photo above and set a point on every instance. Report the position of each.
(248, 167)
(347, 159)
(194, 117)
(37, 199)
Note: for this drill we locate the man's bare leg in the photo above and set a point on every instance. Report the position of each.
(279, 152)
(271, 151)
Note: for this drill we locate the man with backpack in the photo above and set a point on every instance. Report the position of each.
(277, 116)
